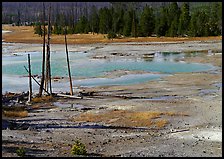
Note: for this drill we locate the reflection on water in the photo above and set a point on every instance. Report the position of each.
(193, 54)
(148, 59)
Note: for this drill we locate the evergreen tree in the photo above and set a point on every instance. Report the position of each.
(162, 24)
(147, 22)
(134, 25)
(82, 25)
(58, 24)
(71, 20)
(214, 29)
(128, 19)
(219, 12)
(173, 19)
(118, 22)
(18, 18)
(193, 25)
(105, 20)
(102, 21)
(132, 19)
(37, 29)
(94, 20)
(199, 25)
(184, 20)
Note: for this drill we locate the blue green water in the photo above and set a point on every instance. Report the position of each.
(82, 66)
(86, 68)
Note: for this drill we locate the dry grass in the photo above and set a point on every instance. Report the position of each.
(127, 118)
(35, 106)
(20, 114)
(25, 34)
(175, 114)
(42, 99)
(161, 123)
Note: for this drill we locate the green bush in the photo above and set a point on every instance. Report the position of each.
(21, 152)
(38, 30)
(78, 148)
(111, 35)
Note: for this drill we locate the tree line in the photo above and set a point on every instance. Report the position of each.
(168, 20)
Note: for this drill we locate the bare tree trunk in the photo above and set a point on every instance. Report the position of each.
(49, 33)
(69, 73)
(30, 80)
(43, 62)
(48, 72)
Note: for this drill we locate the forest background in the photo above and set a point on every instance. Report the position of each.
(120, 19)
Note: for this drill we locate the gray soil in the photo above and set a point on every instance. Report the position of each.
(51, 129)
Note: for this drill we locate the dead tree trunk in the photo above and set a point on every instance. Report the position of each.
(36, 80)
(69, 72)
(43, 62)
(48, 72)
(49, 33)
(30, 80)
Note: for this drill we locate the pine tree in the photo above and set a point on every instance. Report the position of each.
(58, 24)
(128, 18)
(37, 29)
(118, 22)
(219, 12)
(71, 20)
(214, 20)
(82, 25)
(94, 20)
(199, 25)
(134, 25)
(173, 19)
(184, 20)
(102, 21)
(147, 22)
(105, 20)
(203, 19)
(162, 24)
(18, 18)
(193, 25)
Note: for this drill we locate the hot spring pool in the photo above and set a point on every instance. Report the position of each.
(89, 72)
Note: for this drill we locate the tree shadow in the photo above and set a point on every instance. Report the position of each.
(25, 124)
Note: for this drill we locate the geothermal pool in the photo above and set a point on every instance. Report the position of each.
(88, 72)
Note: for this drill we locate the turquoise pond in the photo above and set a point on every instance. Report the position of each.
(91, 69)
(82, 66)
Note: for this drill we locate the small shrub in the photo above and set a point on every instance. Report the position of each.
(21, 152)
(78, 148)
(21, 114)
(42, 99)
(111, 35)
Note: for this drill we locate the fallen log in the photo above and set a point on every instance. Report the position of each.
(37, 82)
(69, 96)
(181, 130)
(86, 93)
